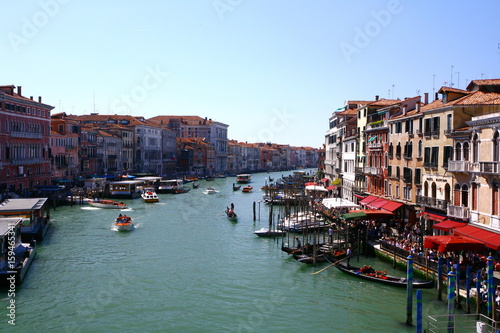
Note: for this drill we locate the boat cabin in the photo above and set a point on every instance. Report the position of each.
(243, 178)
(170, 185)
(15, 257)
(34, 213)
(126, 189)
(151, 181)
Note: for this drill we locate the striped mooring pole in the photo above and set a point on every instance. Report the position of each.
(419, 311)
(409, 291)
(451, 300)
(491, 287)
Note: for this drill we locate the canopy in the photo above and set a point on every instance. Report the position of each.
(368, 199)
(447, 225)
(432, 216)
(452, 243)
(310, 184)
(352, 216)
(333, 187)
(376, 204)
(339, 203)
(374, 214)
(489, 238)
(316, 188)
(391, 205)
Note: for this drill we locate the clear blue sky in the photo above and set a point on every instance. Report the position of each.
(271, 70)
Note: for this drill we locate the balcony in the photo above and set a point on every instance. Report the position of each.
(435, 134)
(374, 145)
(26, 135)
(459, 166)
(376, 171)
(488, 167)
(432, 202)
(358, 171)
(27, 161)
(459, 212)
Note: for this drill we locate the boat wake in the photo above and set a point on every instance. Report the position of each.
(91, 208)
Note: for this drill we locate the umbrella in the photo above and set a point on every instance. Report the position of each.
(452, 243)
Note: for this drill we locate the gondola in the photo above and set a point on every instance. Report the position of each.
(309, 258)
(236, 187)
(368, 273)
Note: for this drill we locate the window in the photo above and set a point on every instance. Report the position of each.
(427, 156)
(418, 176)
(391, 150)
(466, 151)
(398, 150)
(407, 175)
(419, 155)
(458, 151)
(475, 149)
(447, 155)
(448, 122)
(495, 147)
(434, 157)
(494, 199)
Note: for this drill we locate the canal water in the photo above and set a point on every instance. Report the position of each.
(187, 268)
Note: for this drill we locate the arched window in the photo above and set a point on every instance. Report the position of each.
(426, 189)
(456, 195)
(465, 195)
(466, 151)
(475, 148)
(419, 148)
(410, 150)
(447, 193)
(433, 190)
(495, 147)
(398, 150)
(458, 151)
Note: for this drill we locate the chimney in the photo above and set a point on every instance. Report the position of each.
(376, 97)
(31, 97)
(417, 106)
(404, 110)
(39, 99)
(426, 98)
(19, 90)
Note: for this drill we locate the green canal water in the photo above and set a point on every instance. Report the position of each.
(187, 268)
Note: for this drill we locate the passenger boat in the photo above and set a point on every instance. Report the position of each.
(128, 189)
(170, 185)
(211, 190)
(124, 223)
(149, 195)
(243, 178)
(104, 203)
(35, 214)
(13, 268)
(247, 189)
(368, 273)
(265, 232)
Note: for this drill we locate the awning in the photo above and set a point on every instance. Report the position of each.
(452, 243)
(377, 203)
(489, 238)
(391, 206)
(372, 138)
(329, 188)
(310, 184)
(315, 188)
(446, 225)
(353, 216)
(324, 180)
(434, 217)
(367, 200)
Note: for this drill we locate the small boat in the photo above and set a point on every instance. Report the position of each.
(124, 223)
(231, 215)
(195, 185)
(209, 178)
(243, 178)
(181, 190)
(247, 189)
(211, 190)
(236, 187)
(149, 195)
(309, 258)
(104, 203)
(368, 273)
(265, 232)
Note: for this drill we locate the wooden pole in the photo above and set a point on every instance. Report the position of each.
(254, 211)
(409, 291)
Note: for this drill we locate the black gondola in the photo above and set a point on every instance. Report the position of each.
(369, 273)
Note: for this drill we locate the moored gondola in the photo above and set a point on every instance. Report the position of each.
(368, 273)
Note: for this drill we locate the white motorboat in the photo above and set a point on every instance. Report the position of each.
(104, 203)
(124, 223)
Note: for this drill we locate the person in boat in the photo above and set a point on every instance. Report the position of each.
(232, 206)
(299, 244)
(348, 255)
(367, 269)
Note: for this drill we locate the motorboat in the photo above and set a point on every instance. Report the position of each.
(243, 178)
(124, 223)
(149, 195)
(211, 190)
(266, 232)
(247, 189)
(105, 203)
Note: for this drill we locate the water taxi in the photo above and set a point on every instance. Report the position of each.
(149, 195)
(247, 189)
(109, 204)
(210, 190)
(15, 257)
(124, 223)
(243, 178)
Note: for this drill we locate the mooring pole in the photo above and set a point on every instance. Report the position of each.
(409, 291)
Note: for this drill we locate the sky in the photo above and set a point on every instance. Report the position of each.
(274, 71)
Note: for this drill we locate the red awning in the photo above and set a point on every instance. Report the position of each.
(310, 184)
(434, 217)
(489, 238)
(391, 206)
(367, 200)
(377, 203)
(324, 180)
(452, 243)
(446, 225)
(333, 187)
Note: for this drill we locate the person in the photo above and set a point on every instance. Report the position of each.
(330, 233)
(299, 245)
(232, 206)
(348, 255)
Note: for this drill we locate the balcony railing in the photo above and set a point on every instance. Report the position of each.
(488, 167)
(374, 145)
(358, 170)
(373, 170)
(27, 161)
(459, 212)
(432, 202)
(26, 135)
(459, 166)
